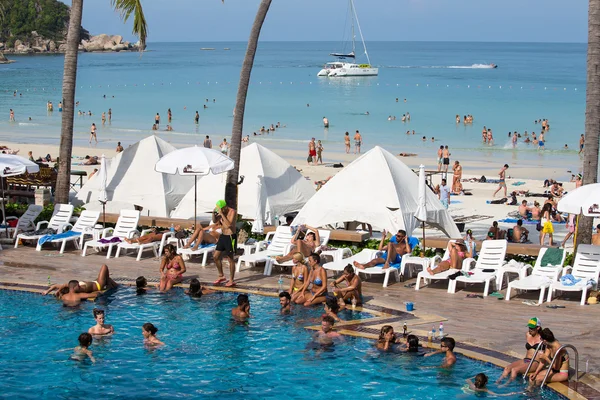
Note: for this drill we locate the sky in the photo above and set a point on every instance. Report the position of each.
(380, 20)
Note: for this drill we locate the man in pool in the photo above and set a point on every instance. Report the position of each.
(100, 329)
(285, 300)
(73, 292)
(447, 348)
(326, 333)
(353, 289)
(242, 311)
(226, 245)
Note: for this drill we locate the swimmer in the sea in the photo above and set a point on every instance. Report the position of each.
(100, 329)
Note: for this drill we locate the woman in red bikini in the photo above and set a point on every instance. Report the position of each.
(172, 268)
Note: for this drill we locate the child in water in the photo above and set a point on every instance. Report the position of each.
(82, 351)
(478, 384)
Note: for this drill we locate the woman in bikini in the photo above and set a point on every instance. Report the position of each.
(203, 236)
(317, 279)
(299, 276)
(102, 282)
(347, 142)
(151, 237)
(458, 252)
(559, 371)
(172, 268)
(532, 341)
(305, 246)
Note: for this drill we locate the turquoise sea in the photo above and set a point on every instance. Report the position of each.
(437, 79)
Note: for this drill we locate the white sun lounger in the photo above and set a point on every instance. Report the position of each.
(490, 260)
(203, 251)
(270, 261)
(395, 269)
(25, 221)
(126, 227)
(364, 256)
(540, 279)
(434, 261)
(585, 267)
(61, 217)
(279, 242)
(83, 226)
(156, 247)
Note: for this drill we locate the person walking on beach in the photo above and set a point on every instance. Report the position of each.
(12, 115)
(320, 152)
(325, 122)
(347, 142)
(581, 143)
(357, 142)
(157, 120)
(226, 245)
(208, 142)
(224, 146)
(312, 152)
(93, 133)
(197, 118)
(446, 159)
(444, 194)
(502, 183)
(440, 157)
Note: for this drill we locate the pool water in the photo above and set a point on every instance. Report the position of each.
(207, 354)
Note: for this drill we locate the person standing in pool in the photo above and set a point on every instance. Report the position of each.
(100, 329)
(318, 281)
(447, 348)
(353, 289)
(326, 331)
(149, 333)
(387, 338)
(171, 269)
(227, 243)
(285, 301)
(242, 311)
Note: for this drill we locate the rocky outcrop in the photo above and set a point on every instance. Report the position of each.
(38, 44)
(4, 60)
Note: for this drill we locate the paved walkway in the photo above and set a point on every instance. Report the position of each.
(487, 323)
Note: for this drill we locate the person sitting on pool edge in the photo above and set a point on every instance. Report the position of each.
(100, 329)
(285, 301)
(73, 292)
(353, 290)
(317, 279)
(171, 268)
(392, 252)
(446, 347)
(242, 311)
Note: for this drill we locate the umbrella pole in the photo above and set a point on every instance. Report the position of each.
(104, 214)
(423, 249)
(3, 209)
(195, 201)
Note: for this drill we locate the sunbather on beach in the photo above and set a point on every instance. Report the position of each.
(171, 269)
(524, 211)
(203, 236)
(556, 190)
(155, 236)
(392, 252)
(73, 292)
(495, 233)
(458, 252)
(305, 246)
(520, 234)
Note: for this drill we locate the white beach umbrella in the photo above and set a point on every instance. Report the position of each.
(103, 195)
(11, 165)
(585, 199)
(261, 200)
(194, 161)
(421, 212)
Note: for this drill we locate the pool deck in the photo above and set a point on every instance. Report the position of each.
(486, 329)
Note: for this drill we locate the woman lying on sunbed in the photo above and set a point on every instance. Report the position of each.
(305, 246)
(155, 236)
(203, 236)
(458, 252)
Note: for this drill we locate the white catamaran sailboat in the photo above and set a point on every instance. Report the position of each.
(342, 67)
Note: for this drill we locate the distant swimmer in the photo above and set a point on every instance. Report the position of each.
(157, 119)
(60, 106)
(196, 118)
(103, 118)
(325, 122)
(12, 115)
(109, 115)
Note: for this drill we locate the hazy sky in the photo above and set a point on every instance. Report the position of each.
(395, 20)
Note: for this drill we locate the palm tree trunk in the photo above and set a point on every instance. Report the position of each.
(69, 84)
(592, 112)
(240, 104)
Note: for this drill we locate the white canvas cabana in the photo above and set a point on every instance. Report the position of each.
(284, 189)
(132, 181)
(379, 189)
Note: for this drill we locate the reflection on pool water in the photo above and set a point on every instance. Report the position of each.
(206, 354)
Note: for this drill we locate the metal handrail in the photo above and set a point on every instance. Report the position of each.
(570, 346)
(537, 349)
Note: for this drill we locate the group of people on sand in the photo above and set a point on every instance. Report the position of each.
(315, 152)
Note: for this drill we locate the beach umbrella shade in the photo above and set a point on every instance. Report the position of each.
(11, 165)
(421, 212)
(583, 200)
(102, 195)
(261, 200)
(194, 161)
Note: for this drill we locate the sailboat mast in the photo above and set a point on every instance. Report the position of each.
(359, 30)
(353, 34)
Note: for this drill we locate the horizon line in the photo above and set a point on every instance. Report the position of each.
(368, 41)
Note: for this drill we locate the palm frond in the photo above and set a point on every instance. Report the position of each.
(128, 7)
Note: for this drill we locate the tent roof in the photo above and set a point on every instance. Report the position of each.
(285, 188)
(379, 189)
(133, 180)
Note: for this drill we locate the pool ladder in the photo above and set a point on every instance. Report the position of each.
(564, 346)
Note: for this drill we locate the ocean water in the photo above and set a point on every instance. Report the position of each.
(438, 81)
(208, 355)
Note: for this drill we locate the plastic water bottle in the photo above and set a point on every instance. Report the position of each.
(429, 337)
(441, 330)
(172, 228)
(353, 302)
(432, 332)
(404, 330)
(280, 283)
(49, 281)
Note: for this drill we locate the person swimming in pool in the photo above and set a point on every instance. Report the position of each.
(317, 279)
(387, 338)
(149, 333)
(331, 308)
(73, 292)
(285, 301)
(299, 276)
(171, 269)
(242, 311)
(326, 335)
(100, 329)
(446, 348)
(82, 351)
(196, 290)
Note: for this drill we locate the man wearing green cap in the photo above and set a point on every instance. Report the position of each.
(226, 244)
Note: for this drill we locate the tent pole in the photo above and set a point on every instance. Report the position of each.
(3, 209)
(195, 200)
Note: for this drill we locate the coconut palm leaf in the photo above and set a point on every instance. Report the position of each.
(140, 27)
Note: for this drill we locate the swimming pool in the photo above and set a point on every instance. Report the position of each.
(206, 354)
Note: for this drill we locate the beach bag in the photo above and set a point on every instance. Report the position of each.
(482, 179)
(309, 158)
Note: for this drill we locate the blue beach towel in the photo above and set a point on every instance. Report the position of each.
(63, 235)
(569, 280)
(518, 183)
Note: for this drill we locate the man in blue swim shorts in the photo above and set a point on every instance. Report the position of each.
(390, 253)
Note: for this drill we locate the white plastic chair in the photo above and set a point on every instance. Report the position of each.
(83, 226)
(490, 260)
(61, 217)
(270, 261)
(540, 279)
(279, 241)
(362, 257)
(126, 227)
(434, 261)
(585, 267)
(25, 222)
(156, 247)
